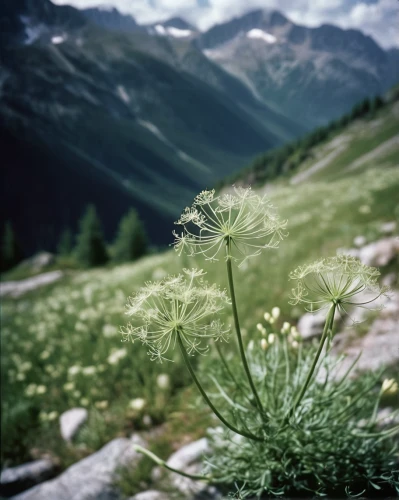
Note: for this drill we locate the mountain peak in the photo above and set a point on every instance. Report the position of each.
(110, 18)
(259, 19)
(18, 18)
(179, 23)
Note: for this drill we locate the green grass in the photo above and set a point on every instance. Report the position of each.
(59, 342)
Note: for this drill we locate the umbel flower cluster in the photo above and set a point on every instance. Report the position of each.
(244, 222)
(283, 431)
(342, 280)
(183, 305)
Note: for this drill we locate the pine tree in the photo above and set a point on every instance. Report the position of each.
(11, 253)
(90, 250)
(65, 244)
(131, 240)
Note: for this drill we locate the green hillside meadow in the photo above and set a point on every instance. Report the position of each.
(61, 345)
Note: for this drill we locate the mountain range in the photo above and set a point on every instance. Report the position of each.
(95, 108)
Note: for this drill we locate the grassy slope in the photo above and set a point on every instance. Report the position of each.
(69, 321)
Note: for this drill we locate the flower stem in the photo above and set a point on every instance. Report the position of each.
(327, 328)
(239, 387)
(186, 358)
(162, 463)
(237, 327)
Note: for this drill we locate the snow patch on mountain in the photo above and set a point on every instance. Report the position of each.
(261, 35)
(56, 40)
(32, 32)
(155, 130)
(170, 30)
(123, 94)
(178, 33)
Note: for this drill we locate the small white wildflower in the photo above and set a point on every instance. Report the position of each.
(295, 344)
(31, 390)
(163, 381)
(69, 386)
(137, 404)
(43, 417)
(52, 415)
(45, 355)
(41, 389)
(109, 331)
(261, 328)
(116, 355)
(74, 370)
(89, 370)
(267, 316)
(101, 405)
(147, 421)
(276, 312)
(364, 209)
(389, 386)
(286, 327)
(264, 345)
(271, 338)
(84, 402)
(251, 345)
(21, 377)
(26, 366)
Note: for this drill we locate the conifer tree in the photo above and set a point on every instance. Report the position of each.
(90, 249)
(11, 253)
(131, 240)
(65, 244)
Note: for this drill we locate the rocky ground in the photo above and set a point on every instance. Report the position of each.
(94, 477)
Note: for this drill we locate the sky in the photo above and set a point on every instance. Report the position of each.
(378, 18)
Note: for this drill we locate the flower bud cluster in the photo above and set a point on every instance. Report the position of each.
(273, 332)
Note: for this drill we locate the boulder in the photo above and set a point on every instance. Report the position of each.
(311, 324)
(71, 421)
(380, 253)
(380, 345)
(388, 227)
(188, 459)
(17, 288)
(91, 478)
(150, 495)
(13, 480)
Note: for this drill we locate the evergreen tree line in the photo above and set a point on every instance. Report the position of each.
(88, 248)
(286, 159)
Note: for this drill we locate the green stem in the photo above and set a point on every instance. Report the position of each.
(205, 396)
(237, 327)
(229, 372)
(327, 329)
(162, 463)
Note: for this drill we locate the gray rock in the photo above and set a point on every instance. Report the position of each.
(150, 495)
(311, 324)
(388, 227)
(91, 478)
(380, 253)
(389, 280)
(41, 260)
(188, 460)
(359, 241)
(17, 288)
(16, 479)
(71, 421)
(387, 417)
(379, 347)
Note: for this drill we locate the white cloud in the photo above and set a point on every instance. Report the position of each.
(378, 18)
